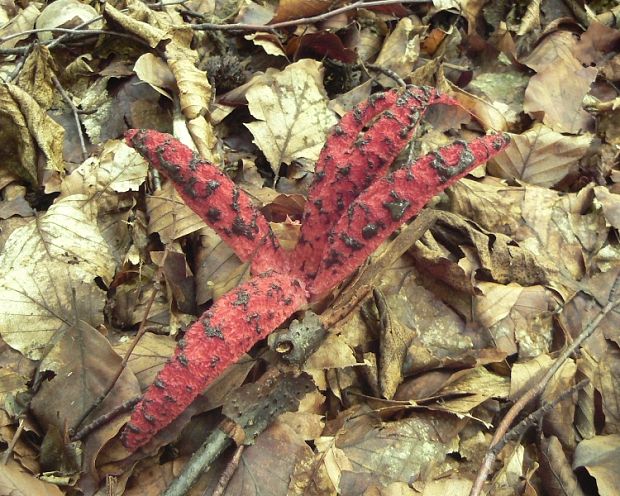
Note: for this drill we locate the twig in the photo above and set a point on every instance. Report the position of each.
(535, 417)
(228, 472)
(304, 20)
(76, 116)
(9, 450)
(19, 65)
(504, 425)
(104, 419)
(215, 444)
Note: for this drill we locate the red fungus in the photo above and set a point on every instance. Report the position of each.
(350, 211)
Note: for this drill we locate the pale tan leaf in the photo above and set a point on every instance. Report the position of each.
(385, 452)
(154, 71)
(292, 113)
(66, 14)
(194, 89)
(44, 266)
(400, 51)
(147, 28)
(599, 456)
(219, 270)
(531, 19)
(148, 357)
(540, 156)
(555, 97)
(36, 308)
(20, 23)
(169, 216)
(27, 125)
(120, 169)
(36, 76)
(15, 481)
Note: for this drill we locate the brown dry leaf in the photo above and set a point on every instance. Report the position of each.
(218, 268)
(555, 420)
(599, 456)
(21, 23)
(334, 353)
(84, 365)
(148, 357)
(478, 385)
(555, 94)
(271, 463)
(441, 332)
(296, 9)
(62, 245)
(561, 229)
(381, 453)
(557, 474)
(169, 216)
(394, 339)
(540, 156)
(489, 114)
(15, 481)
(36, 76)
(459, 253)
(611, 205)
(519, 318)
(28, 130)
(400, 51)
(505, 89)
(292, 113)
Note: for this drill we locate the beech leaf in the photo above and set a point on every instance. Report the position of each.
(292, 113)
(62, 245)
(540, 156)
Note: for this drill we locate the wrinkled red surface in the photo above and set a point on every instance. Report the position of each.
(393, 200)
(349, 162)
(213, 196)
(216, 340)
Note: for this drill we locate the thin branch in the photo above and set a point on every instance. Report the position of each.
(104, 419)
(304, 20)
(228, 472)
(538, 388)
(76, 115)
(534, 417)
(9, 450)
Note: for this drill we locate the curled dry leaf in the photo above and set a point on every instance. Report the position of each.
(32, 130)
